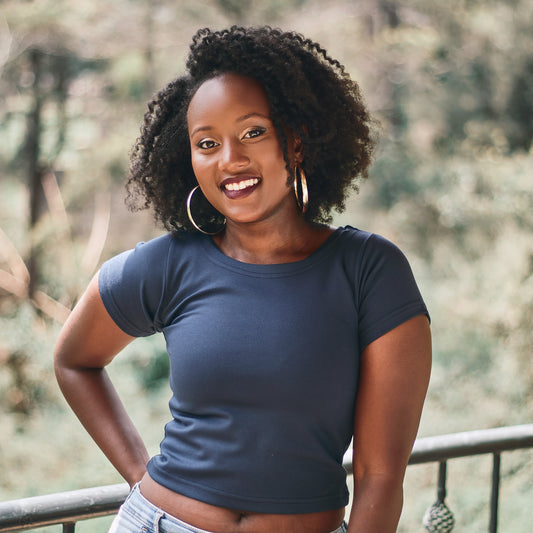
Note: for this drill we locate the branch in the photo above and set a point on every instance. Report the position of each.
(13, 259)
(54, 199)
(99, 230)
(51, 307)
(13, 285)
(40, 300)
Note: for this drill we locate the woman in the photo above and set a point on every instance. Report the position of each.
(286, 336)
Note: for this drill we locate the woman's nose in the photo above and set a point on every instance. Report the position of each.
(233, 156)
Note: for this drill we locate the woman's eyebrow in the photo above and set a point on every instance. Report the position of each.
(250, 115)
(242, 118)
(201, 128)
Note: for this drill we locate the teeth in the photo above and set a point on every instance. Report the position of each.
(239, 186)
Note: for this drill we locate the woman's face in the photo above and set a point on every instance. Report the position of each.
(235, 152)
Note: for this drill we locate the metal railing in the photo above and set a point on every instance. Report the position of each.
(67, 508)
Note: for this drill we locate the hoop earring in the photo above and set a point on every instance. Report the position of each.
(305, 193)
(189, 214)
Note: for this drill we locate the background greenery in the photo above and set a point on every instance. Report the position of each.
(452, 85)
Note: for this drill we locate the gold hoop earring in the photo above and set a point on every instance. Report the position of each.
(303, 184)
(189, 214)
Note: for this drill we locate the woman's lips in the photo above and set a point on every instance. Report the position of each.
(239, 188)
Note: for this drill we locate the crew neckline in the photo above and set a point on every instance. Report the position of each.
(216, 255)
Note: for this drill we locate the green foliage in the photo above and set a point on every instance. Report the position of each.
(24, 369)
(267, 11)
(451, 84)
(150, 364)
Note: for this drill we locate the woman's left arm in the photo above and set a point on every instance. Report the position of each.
(395, 371)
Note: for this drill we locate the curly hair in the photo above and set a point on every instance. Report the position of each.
(309, 93)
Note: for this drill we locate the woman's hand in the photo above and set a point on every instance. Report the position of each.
(87, 342)
(395, 371)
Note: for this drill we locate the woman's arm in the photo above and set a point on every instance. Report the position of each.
(395, 372)
(88, 341)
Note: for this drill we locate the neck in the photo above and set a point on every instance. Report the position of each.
(261, 243)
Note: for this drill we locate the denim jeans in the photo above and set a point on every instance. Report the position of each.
(138, 515)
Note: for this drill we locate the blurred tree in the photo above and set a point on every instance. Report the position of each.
(451, 85)
(520, 107)
(450, 180)
(264, 11)
(48, 76)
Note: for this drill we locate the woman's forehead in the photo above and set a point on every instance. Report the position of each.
(228, 93)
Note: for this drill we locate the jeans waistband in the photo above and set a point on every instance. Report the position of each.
(151, 519)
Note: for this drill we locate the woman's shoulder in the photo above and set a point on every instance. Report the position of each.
(365, 241)
(162, 245)
(153, 258)
(365, 251)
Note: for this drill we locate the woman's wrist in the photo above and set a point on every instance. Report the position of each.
(377, 506)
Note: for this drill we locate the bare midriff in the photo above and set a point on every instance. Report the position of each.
(222, 520)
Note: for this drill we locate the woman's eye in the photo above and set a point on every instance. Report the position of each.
(207, 144)
(256, 132)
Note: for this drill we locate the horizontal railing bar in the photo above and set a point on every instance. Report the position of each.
(39, 511)
(478, 442)
(430, 449)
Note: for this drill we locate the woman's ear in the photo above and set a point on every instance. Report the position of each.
(298, 150)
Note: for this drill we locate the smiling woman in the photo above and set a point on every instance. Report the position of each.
(236, 154)
(294, 74)
(287, 337)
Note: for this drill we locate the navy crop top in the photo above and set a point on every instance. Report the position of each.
(264, 361)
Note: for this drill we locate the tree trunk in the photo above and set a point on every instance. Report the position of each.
(32, 154)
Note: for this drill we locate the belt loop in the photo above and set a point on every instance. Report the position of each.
(157, 518)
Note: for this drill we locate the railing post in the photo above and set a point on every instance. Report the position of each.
(495, 493)
(441, 484)
(69, 527)
(438, 518)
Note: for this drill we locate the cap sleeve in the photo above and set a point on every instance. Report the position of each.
(132, 286)
(388, 293)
